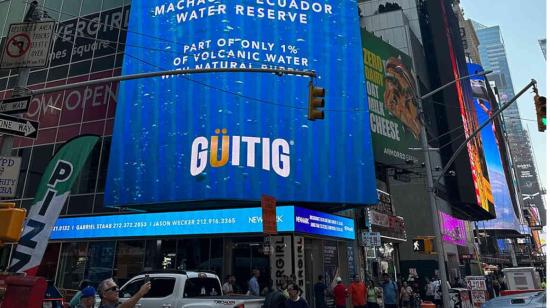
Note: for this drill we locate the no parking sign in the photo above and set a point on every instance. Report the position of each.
(27, 45)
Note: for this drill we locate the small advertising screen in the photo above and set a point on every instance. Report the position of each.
(236, 136)
(503, 206)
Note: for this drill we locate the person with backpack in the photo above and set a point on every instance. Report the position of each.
(390, 291)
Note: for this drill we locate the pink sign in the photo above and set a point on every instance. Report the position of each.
(453, 230)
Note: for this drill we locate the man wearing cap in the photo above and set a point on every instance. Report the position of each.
(87, 298)
(340, 293)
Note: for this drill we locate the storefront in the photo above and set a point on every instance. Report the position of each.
(384, 258)
(226, 242)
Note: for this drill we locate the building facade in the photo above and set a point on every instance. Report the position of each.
(89, 44)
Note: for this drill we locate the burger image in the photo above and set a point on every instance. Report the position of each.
(400, 94)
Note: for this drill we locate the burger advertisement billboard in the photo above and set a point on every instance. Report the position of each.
(391, 88)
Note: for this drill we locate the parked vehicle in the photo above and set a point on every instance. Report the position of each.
(521, 278)
(532, 300)
(185, 289)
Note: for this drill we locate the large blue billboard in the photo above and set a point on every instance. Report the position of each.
(236, 136)
(505, 214)
(289, 219)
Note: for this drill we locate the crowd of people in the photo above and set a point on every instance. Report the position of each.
(405, 293)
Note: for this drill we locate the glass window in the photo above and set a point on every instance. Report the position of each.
(248, 255)
(216, 256)
(90, 7)
(103, 63)
(100, 261)
(15, 14)
(99, 208)
(103, 165)
(53, 7)
(131, 289)
(110, 4)
(161, 287)
(25, 154)
(160, 254)
(193, 254)
(195, 287)
(80, 204)
(80, 68)
(128, 260)
(71, 266)
(58, 73)
(3, 81)
(4, 257)
(85, 183)
(37, 77)
(49, 261)
(70, 9)
(39, 160)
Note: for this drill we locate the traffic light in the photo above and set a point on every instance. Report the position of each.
(540, 106)
(315, 103)
(11, 222)
(423, 245)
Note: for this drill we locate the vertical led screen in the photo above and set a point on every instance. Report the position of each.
(505, 214)
(480, 176)
(391, 88)
(235, 136)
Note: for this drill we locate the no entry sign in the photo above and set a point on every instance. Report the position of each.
(27, 45)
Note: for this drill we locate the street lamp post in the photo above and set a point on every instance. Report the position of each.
(430, 189)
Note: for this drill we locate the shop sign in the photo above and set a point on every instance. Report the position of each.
(476, 283)
(9, 175)
(384, 205)
(350, 254)
(378, 219)
(281, 259)
(182, 143)
(370, 239)
(388, 225)
(330, 266)
(478, 297)
(299, 263)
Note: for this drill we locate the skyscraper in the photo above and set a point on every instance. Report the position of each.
(493, 57)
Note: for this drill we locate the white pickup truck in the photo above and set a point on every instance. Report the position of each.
(181, 289)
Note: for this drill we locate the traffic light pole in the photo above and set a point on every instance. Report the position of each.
(278, 72)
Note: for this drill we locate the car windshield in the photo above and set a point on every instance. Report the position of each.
(195, 287)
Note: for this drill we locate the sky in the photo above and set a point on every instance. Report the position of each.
(522, 23)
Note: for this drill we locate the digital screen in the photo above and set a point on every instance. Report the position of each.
(313, 222)
(391, 88)
(453, 230)
(236, 136)
(227, 221)
(503, 206)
